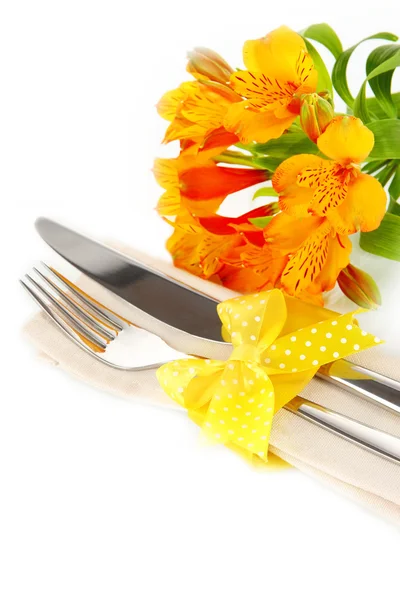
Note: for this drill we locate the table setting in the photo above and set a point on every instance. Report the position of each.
(262, 326)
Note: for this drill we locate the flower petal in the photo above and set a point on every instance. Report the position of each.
(239, 279)
(166, 172)
(306, 264)
(231, 225)
(265, 263)
(212, 248)
(211, 181)
(295, 200)
(287, 233)
(262, 91)
(346, 140)
(276, 54)
(287, 172)
(169, 203)
(251, 126)
(169, 104)
(329, 185)
(364, 207)
(183, 129)
(205, 107)
(339, 250)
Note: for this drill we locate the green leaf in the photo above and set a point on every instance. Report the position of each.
(360, 108)
(373, 166)
(385, 175)
(382, 69)
(394, 187)
(375, 108)
(339, 77)
(384, 241)
(387, 136)
(324, 79)
(381, 84)
(395, 209)
(325, 35)
(261, 222)
(293, 142)
(265, 191)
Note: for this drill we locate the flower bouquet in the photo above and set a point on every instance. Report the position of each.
(238, 362)
(324, 175)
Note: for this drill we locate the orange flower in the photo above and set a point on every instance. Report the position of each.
(315, 253)
(196, 109)
(198, 184)
(323, 201)
(203, 246)
(279, 71)
(336, 189)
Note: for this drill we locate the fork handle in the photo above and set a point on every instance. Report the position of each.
(365, 383)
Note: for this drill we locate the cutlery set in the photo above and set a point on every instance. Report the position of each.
(120, 344)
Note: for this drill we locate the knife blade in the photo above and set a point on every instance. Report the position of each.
(147, 289)
(184, 308)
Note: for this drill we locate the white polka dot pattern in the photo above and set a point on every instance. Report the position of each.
(234, 401)
(318, 344)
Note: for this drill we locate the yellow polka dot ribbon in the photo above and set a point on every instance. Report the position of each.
(234, 401)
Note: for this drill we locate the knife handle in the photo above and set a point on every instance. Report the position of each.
(375, 440)
(381, 390)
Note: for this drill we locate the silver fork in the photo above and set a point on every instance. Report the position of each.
(118, 343)
(96, 329)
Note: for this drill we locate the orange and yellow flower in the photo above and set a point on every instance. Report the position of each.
(198, 184)
(336, 188)
(279, 72)
(196, 109)
(323, 202)
(323, 197)
(204, 246)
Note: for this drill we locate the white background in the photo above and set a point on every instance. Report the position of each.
(100, 497)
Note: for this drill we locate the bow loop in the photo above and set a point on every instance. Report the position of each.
(234, 401)
(256, 320)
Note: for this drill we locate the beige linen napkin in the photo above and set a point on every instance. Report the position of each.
(367, 478)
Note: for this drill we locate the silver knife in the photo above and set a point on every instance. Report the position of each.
(186, 309)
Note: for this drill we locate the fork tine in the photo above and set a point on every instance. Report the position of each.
(74, 328)
(80, 313)
(110, 319)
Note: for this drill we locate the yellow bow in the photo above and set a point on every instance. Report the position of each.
(234, 401)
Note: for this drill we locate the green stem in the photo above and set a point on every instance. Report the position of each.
(231, 157)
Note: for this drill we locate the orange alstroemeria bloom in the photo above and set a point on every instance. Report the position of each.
(314, 253)
(323, 201)
(336, 189)
(198, 184)
(196, 109)
(202, 246)
(279, 71)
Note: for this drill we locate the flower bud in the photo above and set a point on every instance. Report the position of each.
(316, 113)
(204, 62)
(359, 287)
